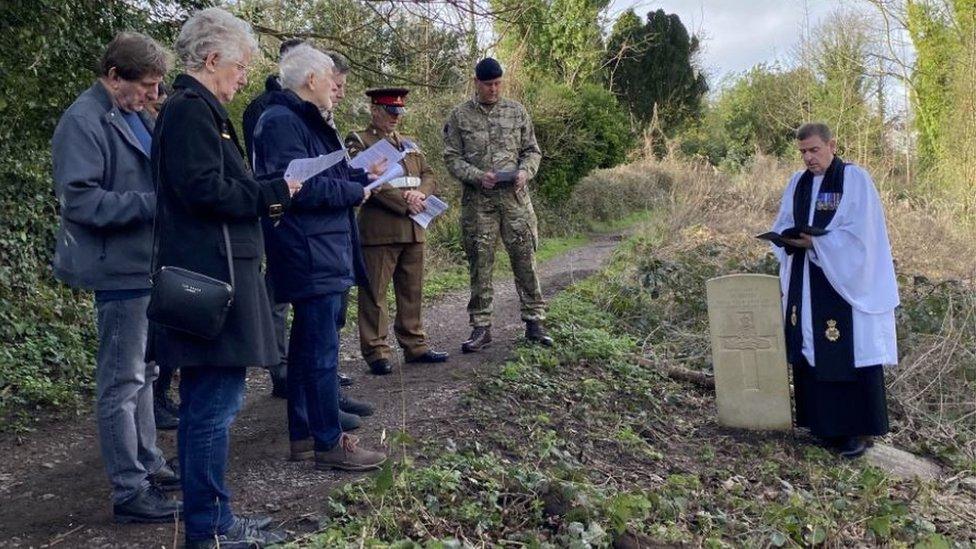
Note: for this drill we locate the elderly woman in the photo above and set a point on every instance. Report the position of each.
(313, 255)
(203, 184)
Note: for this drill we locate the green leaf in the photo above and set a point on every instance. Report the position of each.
(816, 535)
(384, 480)
(881, 526)
(933, 541)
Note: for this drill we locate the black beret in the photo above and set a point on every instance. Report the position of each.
(488, 69)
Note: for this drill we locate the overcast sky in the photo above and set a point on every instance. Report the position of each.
(739, 34)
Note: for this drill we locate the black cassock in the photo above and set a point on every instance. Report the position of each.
(834, 399)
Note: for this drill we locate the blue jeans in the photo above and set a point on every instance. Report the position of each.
(313, 360)
(124, 408)
(209, 400)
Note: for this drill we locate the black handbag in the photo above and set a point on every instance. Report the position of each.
(191, 302)
(187, 301)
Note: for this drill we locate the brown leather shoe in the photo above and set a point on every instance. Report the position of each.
(480, 338)
(348, 456)
(302, 450)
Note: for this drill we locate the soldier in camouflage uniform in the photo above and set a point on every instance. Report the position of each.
(490, 146)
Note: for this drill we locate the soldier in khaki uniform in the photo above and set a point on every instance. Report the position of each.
(393, 245)
(490, 146)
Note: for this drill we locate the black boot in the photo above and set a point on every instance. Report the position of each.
(380, 367)
(166, 479)
(480, 338)
(148, 506)
(854, 447)
(279, 380)
(344, 380)
(349, 422)
(353, 406)
(430, 357)
(535, 332)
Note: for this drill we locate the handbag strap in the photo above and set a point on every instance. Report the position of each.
(223, 226)
(230, 254)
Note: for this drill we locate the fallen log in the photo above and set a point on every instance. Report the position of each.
(678, 373)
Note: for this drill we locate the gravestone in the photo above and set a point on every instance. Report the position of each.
(748, 352)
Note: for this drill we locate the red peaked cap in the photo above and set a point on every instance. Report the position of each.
(389, 97)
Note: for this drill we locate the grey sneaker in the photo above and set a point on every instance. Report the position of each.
(242, 535)
(348, 456)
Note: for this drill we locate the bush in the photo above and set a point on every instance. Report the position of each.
(579, 130)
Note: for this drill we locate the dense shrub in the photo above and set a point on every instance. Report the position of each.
(579, 130)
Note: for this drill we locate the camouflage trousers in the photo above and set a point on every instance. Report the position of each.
(486, 215)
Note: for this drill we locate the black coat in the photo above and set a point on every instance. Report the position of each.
(313, 249)
(202, 181)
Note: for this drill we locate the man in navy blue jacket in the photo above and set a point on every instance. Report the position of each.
(313, 256)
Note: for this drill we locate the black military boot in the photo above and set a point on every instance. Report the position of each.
(480, 338)
(535, 332)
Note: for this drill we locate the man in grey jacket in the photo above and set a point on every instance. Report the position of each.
(104, 184)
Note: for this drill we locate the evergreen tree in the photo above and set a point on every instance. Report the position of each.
(652, 66)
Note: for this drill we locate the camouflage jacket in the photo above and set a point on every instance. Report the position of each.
(479, 139)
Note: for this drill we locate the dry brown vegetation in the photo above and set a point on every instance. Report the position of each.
(711, 218)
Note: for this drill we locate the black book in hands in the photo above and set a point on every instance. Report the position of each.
(505, 178)
(792, 232)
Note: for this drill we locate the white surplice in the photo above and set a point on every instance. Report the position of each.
(856, 258)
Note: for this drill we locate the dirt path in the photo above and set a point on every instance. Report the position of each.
(53, 490)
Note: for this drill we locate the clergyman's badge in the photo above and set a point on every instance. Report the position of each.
(793, 316)
(832, 333)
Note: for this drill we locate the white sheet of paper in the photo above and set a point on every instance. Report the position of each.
(392, 173)
(380, 150)
(303, 169)
(435, 207)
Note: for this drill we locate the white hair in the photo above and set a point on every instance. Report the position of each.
(214, 30)
(301, 61)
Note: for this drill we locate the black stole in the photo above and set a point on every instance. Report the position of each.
(833, 323)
